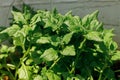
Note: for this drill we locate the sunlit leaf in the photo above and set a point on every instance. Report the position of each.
(38, 77)
(26, 29)
(11, 66)
(116, 56)
(11, 30)
(4, 48)
(24, 72)
(19, 38)
(49, 54)
(69, 51)
(67, 38)
(43, 40)
(93, 35)
(52, 76)
(18, 17)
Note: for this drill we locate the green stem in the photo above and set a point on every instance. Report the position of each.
(100, 76)
(72, 70)
(89, 73)
(23, 47)
(22, 60)
(117, 70)
(11, 75)
(78, 54)
(67, 67)
(12, 61)
(101, 72)
(105, 78)
(80, 51)
(54, 63)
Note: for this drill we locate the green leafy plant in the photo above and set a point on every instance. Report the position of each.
(46, 45)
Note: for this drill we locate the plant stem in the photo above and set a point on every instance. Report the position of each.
(100, 76)
(22, 59)
(89, 73)
(54, 63)
(11, 75)
(72, 70)
(101, 72)
(117, 70)
(80, 51)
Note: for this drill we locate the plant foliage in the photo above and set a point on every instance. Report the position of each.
(46, 45)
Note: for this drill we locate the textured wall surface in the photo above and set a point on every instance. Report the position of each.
(109, 10)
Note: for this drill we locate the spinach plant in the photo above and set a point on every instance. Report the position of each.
(46, 45)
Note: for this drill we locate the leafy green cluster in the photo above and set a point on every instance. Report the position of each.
(46, 45)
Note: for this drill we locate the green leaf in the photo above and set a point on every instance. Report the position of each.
(52, 23)
(1, 66)
(36, 57)
(52, 76)
(100, 27)
(55, 40)
(101, 47)
(29, 61)
(73, 78)
(2, 28)
(90, 21)
(108, 37)
(11, 49)
(73, 23)
(18, 17)
(3, 36)
(11, 30)
(27, 11)
(19, 39)
(94, 15)
(85, 21)
(35, 36)
(109, 73)
(4, 49)
(49, 55)
(3, 56)
(24, 72)
(66, 39)
(94, 35)
(82, 43)
(38, 77)
(43, 40)
(94, 24)
(116, 56)
(26, 29)
(11, 66)
(108, 34)
(113, 46)
(69, 51)
(35, 19)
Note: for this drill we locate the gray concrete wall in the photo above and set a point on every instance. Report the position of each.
(109, 10)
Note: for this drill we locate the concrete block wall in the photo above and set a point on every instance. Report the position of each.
(109, 10)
